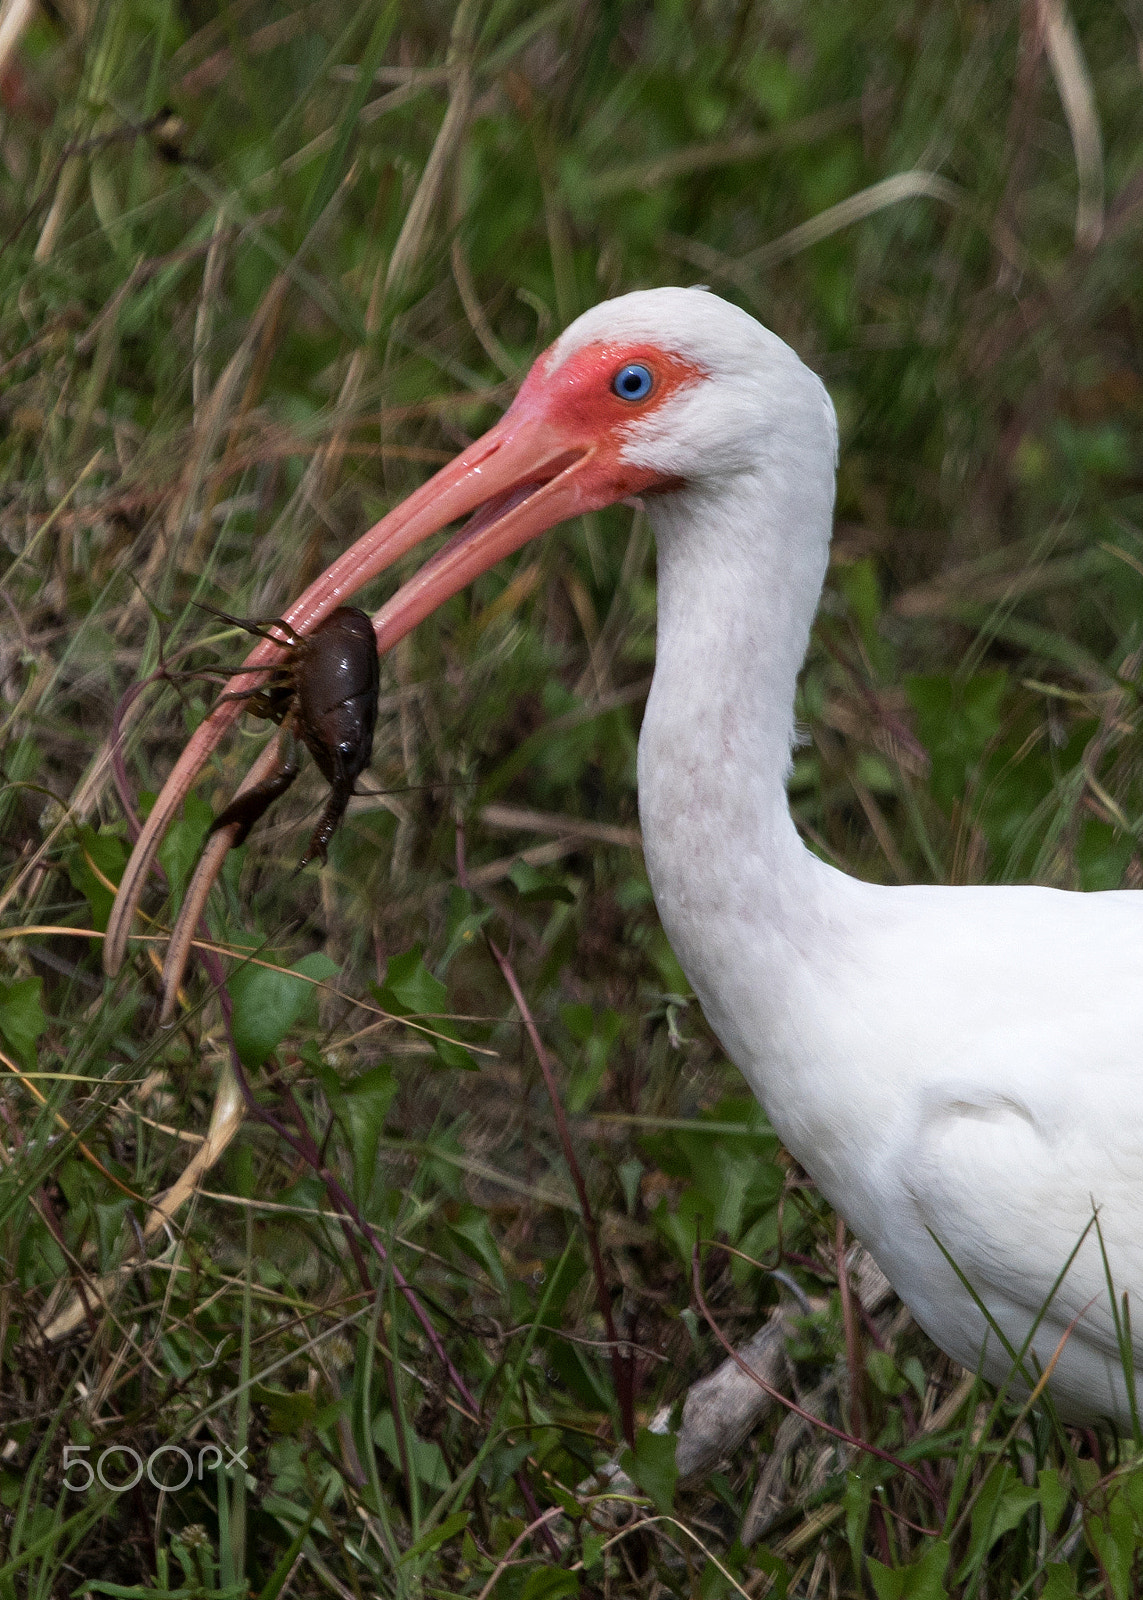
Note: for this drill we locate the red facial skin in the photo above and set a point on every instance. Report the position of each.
(579, 402)
(554, 454)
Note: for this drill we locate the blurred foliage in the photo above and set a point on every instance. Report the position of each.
(262, 266)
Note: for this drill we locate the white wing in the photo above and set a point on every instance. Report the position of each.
(1010, 1187)
(1027, 1118)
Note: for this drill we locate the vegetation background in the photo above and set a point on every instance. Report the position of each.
(262, 266)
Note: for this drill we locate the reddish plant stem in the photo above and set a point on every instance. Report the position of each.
(852, 1336)
(621, 1366)
(622, 1360)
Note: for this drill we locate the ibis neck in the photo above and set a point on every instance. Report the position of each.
(740, 572)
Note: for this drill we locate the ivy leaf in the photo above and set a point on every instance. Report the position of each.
(1002, 1503)
(922, 1580)
(93, 858)
(653, 1467)
(411, 990)
(267, 1003)
(22, 1017)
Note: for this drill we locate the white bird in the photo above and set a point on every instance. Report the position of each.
(962, 1065)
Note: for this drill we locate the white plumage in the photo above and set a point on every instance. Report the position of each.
(964, 1062)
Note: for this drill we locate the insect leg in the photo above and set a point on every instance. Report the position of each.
(246, 809)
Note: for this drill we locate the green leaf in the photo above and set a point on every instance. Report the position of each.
(22, 1017)
(462, 926)
(425, 1458)
(411, 990)
(858, 1492)
(596, 1036)
(1102, 854)
(267, 1003)
(94, 856)
(579, 1019)
(653, 1467)
(1002, 1502)
(922, 1580)
(109, 1228)
(1059, 1582)
(287, 1410)
(437, 1536)
(364, 1103)
(593, 1544)
(278, 1579)
(532, 884)
(885, 1373)
(182, 845)
(1112, 1538)
(548, 1583)
(859, 583)
(774, 1567)
(569, 1270)
(1053, 1497)
(474, 1236)
(450, 1053)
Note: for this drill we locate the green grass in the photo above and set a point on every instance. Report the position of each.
(228, 342)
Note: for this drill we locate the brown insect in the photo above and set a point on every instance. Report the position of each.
(325, 694)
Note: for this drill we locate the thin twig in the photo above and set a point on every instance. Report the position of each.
(852, 1341)
(621, 1363)
(792, 1405)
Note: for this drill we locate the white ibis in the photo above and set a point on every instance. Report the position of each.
(960, 1069)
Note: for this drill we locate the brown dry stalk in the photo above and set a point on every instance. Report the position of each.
(225, 1121)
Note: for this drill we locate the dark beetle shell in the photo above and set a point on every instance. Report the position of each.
(326, 693)
(335, 693)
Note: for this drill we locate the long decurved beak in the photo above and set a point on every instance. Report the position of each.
(521, 477)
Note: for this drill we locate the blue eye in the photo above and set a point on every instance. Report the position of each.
(632, 382)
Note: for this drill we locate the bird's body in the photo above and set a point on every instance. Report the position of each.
(962, 1065)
